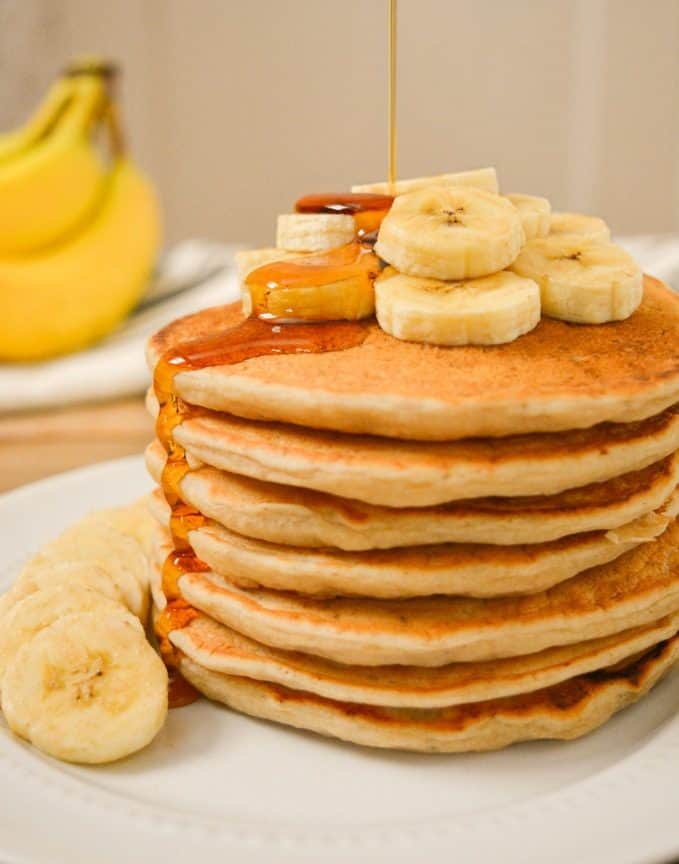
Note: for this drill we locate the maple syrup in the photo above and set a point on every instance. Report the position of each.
(251, 338)
(367, 208)
(315, 287)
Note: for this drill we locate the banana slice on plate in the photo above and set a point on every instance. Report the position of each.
(450, 233)
(480, 178)
(582, 280)
(39, 574)
(486, 311)
(118, 554)
(583, 226)
(314, 232)
(133, 519)
(88, 689)
(36, 611)
(535, 213)
(8, 599)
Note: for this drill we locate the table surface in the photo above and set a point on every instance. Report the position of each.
(36, 444)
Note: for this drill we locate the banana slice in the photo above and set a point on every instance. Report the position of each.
(328, 286)
(88, 688)
(535, 213)
(582, 280)
(37, 611)
(481, 178)
(450, 233)
(119, 555)
(580, 225)
(248, 260)
(486, 311)
(314, 232)
(8, 600)
(133, 520)
(39, 574)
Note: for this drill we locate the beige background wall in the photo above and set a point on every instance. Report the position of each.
(236, 107)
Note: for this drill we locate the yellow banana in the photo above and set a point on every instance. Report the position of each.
(13, 144)
(49, 187)
(75, 292)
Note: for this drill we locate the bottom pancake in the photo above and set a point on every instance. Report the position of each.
(564, 711)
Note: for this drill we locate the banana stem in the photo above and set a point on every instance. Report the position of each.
(116, 136)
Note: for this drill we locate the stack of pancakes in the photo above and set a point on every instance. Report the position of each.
(439, 549)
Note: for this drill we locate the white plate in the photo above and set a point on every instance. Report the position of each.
(219, 786)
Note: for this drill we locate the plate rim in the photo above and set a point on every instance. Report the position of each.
(655, 753)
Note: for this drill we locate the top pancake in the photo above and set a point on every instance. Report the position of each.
(559, 376)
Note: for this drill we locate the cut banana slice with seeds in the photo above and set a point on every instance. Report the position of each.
(37, 611)
(450, 233)
(314, 232)
(486, 311)
(582, 226)
(535, 213)
(581, 280)
(118, 554)
(86, 689)
(481, 178)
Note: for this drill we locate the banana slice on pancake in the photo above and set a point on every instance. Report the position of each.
(486, 311)
(40, 609)
(248, 260)
(450, 233)
(88, 688)
(480, 178)
(314, 232)
(582, 280)
(581, 225)
(535, 213)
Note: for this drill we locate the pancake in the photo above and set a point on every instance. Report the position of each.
(472, 570)
(636, 589)
(567, 710)
(557, 377)
(412, 474)
(301, 517)
(220, 649)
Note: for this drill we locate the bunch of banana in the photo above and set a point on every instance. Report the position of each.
(78, 678)
(79, 228)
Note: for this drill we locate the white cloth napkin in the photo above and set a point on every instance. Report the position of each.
(191, 276)
(657, 254)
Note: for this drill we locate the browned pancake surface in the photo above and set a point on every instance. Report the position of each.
(556, 361)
